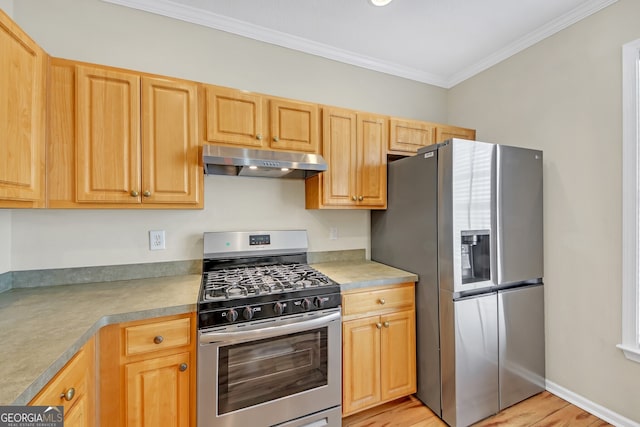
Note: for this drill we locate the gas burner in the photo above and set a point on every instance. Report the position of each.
(241, 282)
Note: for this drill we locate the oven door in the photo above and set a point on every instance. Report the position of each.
(269, 372)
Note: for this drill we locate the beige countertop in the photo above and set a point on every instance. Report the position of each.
(42, 328)
(363, 274)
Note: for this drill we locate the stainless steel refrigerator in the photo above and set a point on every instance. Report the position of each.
(466, 216)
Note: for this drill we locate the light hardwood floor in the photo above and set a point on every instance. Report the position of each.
(542, 410)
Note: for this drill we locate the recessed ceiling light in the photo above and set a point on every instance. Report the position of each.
(253, 167)
(379, 2)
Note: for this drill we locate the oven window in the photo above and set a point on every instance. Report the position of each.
(260, 371)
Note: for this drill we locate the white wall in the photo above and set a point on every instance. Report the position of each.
(94, 31)
(7, 6)
(66, 238)
(5, 241)
(563, 95)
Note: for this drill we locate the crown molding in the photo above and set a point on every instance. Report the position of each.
(193, 15)
(529, 40)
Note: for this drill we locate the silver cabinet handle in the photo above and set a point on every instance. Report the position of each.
(68, 395)
(259, 137)
(158, 339)
(379, 325)
(354, 198)
(360, 198)
(276, 139)
(386, 324)
(147, 193)
(183, 367)
(382, 301)
(134, 193)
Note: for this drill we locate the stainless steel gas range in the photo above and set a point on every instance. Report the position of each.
(269, 334)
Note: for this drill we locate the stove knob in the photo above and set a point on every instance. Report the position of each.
(278, 308)
(305, 304)
(232, 315)
(247, 313)
(319, 302)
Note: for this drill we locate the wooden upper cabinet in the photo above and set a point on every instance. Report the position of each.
(252, 120)
(171, 155)
(354, 146)
(22, 118)
(444, 132)
(372, 160)
(233, 117)
(294, 125)
(120, 139)
(108, 135)
(339, 149)
(407, 136)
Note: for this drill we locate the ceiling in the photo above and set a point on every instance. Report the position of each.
(439, 42)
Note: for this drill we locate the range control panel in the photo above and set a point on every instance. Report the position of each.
(248, 311)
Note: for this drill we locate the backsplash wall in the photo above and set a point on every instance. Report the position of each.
(43, 239)
(5, 241)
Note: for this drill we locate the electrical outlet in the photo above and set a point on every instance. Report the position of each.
(156, 240)
(333, 233)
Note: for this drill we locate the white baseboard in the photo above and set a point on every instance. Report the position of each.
(589, 406)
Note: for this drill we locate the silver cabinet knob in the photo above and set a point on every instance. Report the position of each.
(382, 301)
(385, 324)
(147, 193)
(68, 395)
(360, 198)
(183, 367)
(379, 325)
(259, 137)
(354, 198)
(158, 339)
(276, 139)
(134, 193)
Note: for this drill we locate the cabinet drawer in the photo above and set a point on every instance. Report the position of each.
(157, 336)
(377, 299)
(76, 375)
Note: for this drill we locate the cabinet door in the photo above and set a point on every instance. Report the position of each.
(22, 102)
(77, 375)
(372, 160)
(294, 125)
(398, 355)
(407, 136)
(158, 391)
(233, 117)
(339, 150)
(360, 364)
(78, 415)
(170, 162)
(108, 135)
(447, 132)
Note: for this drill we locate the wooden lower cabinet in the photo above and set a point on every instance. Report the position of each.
(379, 347)
(74, 389)
(147, 371)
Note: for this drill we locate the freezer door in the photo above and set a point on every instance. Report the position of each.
(469, 358)
(521, 338)
(518, 215)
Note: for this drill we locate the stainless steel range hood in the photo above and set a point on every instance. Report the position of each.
(219, 160)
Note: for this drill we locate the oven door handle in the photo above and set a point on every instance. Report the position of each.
(268, 332)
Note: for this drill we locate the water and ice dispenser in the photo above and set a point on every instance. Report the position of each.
(475, 256)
